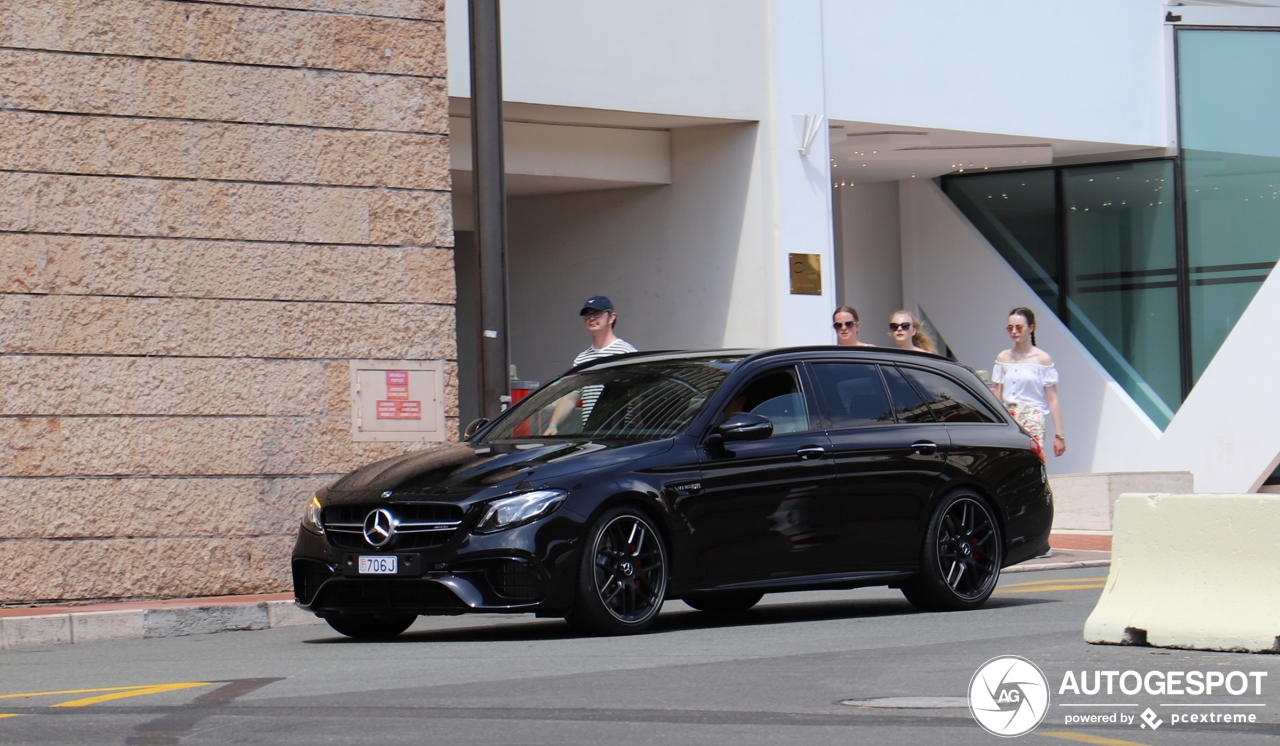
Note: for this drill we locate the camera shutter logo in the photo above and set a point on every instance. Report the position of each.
(1009, 696)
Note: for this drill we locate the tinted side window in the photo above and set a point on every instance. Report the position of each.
(853, 394)
(907, 404)
(775, 395)
(950, 401)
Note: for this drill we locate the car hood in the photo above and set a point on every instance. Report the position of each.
(455, 473)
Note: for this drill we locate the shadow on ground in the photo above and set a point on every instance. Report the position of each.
(682, 618)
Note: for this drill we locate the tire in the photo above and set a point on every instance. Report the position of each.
(622, 578)
(724, 603)
(369, 627)
(960, 564)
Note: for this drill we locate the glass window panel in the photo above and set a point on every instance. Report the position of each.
(1015, 211)
(949, 401)
(777, 396)
(907, 404)
(1229, 109)
(853, 394)
(1122, 290)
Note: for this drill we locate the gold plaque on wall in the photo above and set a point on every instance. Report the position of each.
(806, 274)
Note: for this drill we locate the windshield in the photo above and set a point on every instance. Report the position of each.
(638, 401)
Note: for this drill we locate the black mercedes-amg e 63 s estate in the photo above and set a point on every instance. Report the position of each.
(710, 477)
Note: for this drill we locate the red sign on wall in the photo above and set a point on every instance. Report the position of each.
(393, 409)
(397, 384)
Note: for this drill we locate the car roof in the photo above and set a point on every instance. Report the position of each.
(749, 355)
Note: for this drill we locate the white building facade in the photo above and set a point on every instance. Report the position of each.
(1113, 165)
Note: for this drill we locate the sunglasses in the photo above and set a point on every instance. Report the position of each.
(1015, 327)
(838, 325)
(903, 326)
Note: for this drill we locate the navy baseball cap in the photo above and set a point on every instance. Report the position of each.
(596, 303)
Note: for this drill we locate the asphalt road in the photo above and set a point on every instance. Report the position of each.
(779, 674)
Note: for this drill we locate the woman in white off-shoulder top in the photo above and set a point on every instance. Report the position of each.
(1027, 382)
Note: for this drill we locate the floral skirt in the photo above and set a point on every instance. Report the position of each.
(1030, 417)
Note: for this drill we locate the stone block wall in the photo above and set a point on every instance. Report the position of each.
(206, 211)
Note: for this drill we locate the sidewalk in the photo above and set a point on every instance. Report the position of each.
(31, 626)
(1071, 549)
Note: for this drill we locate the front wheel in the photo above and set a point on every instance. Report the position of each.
(622, 580)
(369, 627)
(960, 565)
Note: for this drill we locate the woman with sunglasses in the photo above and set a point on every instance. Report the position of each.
(905, 329)
(1027, 382)
(846, 322)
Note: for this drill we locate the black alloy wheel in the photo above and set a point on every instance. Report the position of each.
(623, 579)
(961, 560)
(724, 603)
(369, 627)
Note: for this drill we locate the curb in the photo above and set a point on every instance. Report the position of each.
(70, 628)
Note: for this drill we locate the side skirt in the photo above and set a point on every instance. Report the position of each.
(826, 582)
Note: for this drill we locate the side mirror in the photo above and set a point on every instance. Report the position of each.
(744, 426)
(474, 427)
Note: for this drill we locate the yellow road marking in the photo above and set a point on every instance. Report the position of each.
(1052, 588)
(1067, 735)
(6, 715)
(73, 691)
(134, 692)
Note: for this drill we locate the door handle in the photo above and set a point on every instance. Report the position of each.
(924, 447)
(811, 452)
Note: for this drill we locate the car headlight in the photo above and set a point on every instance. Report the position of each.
(311, 516)
(517, 510)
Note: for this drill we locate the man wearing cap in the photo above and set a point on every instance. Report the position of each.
(598, 315)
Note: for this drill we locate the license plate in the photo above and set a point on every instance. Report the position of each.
(378, 565)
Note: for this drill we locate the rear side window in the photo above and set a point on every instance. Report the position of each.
(853, 394)
(949, 401)
(907, 404)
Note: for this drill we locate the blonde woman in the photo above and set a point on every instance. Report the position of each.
(907, 334)
(846, 322)
(1027, 382)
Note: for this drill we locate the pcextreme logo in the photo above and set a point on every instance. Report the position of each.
(1009, 696)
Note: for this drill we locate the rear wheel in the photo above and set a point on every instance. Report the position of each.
(723, 603)
(960, 565)
(622, 580)
(369, 627)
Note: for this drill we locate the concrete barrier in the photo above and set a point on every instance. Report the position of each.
(1192, 571)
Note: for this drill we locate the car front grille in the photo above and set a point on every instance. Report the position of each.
(418, 525)
(368, 594)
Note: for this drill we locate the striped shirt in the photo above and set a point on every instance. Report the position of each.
(591, 393)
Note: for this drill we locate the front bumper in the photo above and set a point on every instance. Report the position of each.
(496, 585)
(527, 569)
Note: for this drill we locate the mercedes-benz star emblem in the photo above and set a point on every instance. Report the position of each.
(379, 527)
